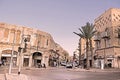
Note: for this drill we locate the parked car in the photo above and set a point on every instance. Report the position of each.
(69, 65)
(63, 63)
(76, 65)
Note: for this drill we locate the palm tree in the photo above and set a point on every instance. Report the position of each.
(87, 32)
(92, 33)
(79, 49)
(91, 49)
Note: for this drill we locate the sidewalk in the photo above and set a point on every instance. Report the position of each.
(96, 70)
(16, 77)
(78, 69)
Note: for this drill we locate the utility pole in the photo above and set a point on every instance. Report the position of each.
(11, 60)
(20, 53)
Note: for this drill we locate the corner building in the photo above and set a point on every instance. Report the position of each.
(28, 46)
(107, 47)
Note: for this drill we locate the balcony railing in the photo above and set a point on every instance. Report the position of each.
(105, 35)
(96, 38)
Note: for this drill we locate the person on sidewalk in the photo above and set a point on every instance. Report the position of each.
(44, 66)
(39, 65)
(0, 63)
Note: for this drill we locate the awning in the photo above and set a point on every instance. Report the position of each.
(8, 55)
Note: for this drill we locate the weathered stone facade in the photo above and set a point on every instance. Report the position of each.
(107, 42)
(30, 46)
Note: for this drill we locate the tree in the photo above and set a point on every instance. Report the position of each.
(79, 48)
(87, 32)
(92, 33)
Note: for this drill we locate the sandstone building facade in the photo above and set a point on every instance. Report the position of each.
(28, 46)
(107, 47)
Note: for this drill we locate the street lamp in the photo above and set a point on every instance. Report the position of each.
(11, 60)
(22, 50)
(57, 56)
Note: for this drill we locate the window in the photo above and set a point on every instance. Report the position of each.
(106, 17)
(108, 43)
(6, 33)
(98, 44)
(119, 15)
(109, 16)
(47, 42)
(116, 17)
(12, 35)
(18, 36)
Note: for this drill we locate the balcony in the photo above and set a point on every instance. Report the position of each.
(105, 35)
(97, 38)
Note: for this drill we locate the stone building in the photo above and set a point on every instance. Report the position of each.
(28, 46)
(83, 52)
(107, 47)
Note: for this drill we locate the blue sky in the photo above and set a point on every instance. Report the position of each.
(60, 18)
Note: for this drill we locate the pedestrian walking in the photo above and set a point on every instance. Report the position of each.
(0, 63)
(44, 66)
(39, 65)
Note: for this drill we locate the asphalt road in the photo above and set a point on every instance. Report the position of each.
(67, 74)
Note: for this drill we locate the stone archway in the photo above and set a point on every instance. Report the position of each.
(6, 56)
(37, 58)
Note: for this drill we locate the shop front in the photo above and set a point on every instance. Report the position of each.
(37, 59)
(6, 57)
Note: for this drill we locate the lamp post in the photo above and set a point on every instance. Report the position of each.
(23, 49)
(11, 60)
(57, 56)
(74, 59)
(19, 68)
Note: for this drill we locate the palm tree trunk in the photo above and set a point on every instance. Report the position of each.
(79, 51)
(88, 65)
(92, 56)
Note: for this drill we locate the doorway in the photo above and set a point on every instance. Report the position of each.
(37, 58)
